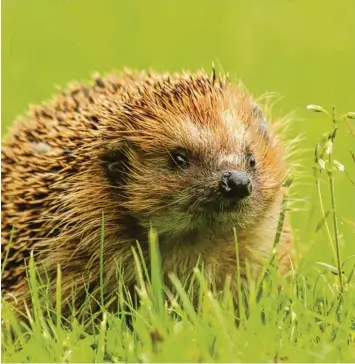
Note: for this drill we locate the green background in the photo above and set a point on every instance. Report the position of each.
(301, 49)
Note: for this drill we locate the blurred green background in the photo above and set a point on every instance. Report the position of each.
(301, 49)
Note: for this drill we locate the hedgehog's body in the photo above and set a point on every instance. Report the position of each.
(190, 155)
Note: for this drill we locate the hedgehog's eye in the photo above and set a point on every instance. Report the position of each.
(179, 159)
(251, 160)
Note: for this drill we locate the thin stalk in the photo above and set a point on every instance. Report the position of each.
(280, 225)
(59, 297)
(156, 274)
(101, 342)
(272, 258)
(241, 308)
(102, 260)
(350, 179)
(332, 195)
(329, 235)
(336, 231)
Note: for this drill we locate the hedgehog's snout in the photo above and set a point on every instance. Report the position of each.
(235, 185)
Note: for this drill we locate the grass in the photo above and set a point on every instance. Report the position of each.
(310, 319)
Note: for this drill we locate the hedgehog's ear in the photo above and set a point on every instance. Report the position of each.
(116, 163)
(260, 118)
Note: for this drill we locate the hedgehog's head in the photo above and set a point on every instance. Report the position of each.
(196, 155)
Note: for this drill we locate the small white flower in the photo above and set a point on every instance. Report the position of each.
(315, 108)
(321, 164)
(338, 166)
(328, 147)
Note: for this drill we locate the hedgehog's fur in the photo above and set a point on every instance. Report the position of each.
(106, 149)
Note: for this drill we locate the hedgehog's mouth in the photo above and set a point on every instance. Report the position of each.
(211, 210)
(221, 206)
(220, 216)
(231, 206)
(220, 221)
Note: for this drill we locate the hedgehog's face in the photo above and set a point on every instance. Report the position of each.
(216, 171)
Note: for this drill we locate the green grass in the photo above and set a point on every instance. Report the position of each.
(310, 319)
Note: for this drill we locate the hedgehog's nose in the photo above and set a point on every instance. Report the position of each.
(235, 184)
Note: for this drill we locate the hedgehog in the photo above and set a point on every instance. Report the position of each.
(189, 154)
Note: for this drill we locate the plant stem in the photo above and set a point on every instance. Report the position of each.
(332, 195)
(59, 297)
(280, 225)
(336, 231)
(102, 260)
(325, 219)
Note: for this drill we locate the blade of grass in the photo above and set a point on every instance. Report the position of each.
(7, 251)
(102, 238)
